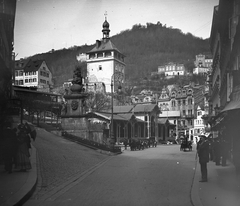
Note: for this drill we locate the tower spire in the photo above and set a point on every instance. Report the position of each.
(105, 26)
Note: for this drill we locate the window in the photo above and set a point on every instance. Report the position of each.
(20, 82)
(16, 82)
(26, 80)
(20, 73)
(34, 79)
(184, 112)
(26, 74)
(30, 80)
(184, 102)
(190, 101)
(16, 73)
(100, 67)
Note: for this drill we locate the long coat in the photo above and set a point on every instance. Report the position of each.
(203, 152)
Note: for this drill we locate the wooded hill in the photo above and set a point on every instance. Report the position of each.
(145, 46)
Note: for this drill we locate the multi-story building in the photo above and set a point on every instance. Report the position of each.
(224, 109)
(105, 63)
(172, 69)
(203, 64)
(182, 100)
(33, 73)
(164, 100)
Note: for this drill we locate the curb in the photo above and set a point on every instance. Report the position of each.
(195, 199)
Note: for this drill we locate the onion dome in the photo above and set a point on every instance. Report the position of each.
(105, 29)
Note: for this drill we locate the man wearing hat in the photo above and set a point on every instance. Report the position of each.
(203, 154)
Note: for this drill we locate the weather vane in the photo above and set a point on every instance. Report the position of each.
(105, 14)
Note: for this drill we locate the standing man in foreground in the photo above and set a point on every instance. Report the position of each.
(203, 154)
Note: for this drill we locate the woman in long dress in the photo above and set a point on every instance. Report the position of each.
(23, 154)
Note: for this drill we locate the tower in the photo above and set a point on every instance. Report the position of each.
(105, 63)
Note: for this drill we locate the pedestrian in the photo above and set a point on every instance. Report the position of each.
(203, 154)
(23, 154)
(10, 145)
(125, 144)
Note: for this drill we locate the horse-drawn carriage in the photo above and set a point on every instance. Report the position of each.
(186, 144)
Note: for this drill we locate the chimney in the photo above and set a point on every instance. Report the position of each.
(98, 43)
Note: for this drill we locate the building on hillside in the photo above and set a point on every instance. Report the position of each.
(105, 63)
(203, 64)
(171, 69)
(33, 73)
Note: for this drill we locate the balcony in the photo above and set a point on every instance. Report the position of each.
(189, 116)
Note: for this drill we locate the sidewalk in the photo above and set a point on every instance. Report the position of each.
(17, 187)
(222, 188)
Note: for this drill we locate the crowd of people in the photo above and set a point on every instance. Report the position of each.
(16, 145)
(209, 149)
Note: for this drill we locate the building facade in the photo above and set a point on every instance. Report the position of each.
(7, 21)
(105, 63)
(224, 101)
(172, 69)
(203, 64)
(33, 73)
(182, 100)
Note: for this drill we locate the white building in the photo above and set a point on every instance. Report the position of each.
(33, 73)
(105, 63)
(203, 64)
(172, 69)
(198, 123)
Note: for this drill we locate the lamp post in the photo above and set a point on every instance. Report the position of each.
(111, 132)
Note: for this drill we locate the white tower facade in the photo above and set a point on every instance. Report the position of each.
(105, 63)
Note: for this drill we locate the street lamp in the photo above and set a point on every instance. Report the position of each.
(111, 132)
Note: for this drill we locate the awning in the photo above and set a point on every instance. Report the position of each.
(232, 105)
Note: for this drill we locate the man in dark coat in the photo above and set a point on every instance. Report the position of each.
(203, 154)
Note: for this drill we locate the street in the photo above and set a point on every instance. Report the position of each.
(70, 174)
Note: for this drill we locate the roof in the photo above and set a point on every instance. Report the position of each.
(106, 45)
(145, 107)
(33, 66)
(28, 65)
(108, 116)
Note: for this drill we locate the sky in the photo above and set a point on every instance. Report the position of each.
(43, 25)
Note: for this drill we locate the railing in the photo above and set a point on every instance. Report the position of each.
(91, 144)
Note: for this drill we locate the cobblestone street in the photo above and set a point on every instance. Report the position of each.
(60, 160)
(70, 174)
